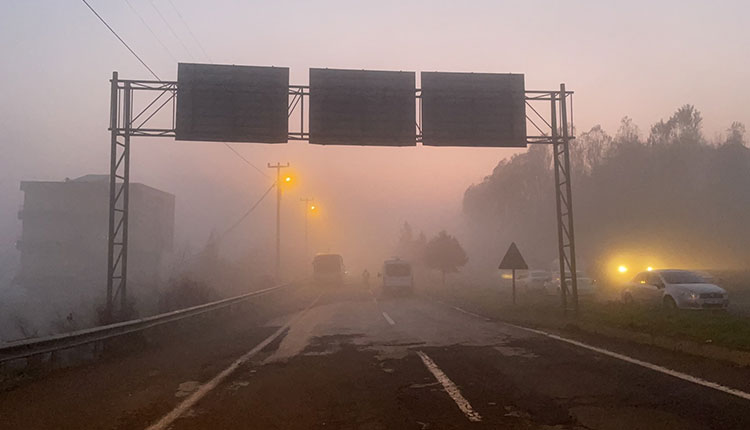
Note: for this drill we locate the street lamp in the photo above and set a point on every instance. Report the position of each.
(287, 179)
(309, 207)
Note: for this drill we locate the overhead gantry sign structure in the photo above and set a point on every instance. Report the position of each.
(254, 104)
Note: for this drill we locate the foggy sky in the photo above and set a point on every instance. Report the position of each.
(626, 58)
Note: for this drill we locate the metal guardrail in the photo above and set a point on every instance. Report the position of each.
(27, 348)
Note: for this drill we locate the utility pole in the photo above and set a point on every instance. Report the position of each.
(278, 167)
(309, 206)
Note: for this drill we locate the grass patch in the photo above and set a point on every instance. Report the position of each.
(714, 327)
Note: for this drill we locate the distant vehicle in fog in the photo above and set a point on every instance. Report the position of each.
(328, 269)
(586, 285)
(397, 276)
(675, 289)
(533, 280)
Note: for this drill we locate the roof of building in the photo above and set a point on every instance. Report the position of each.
(92, 178)
(88, 179)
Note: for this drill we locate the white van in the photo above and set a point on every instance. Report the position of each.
(397, 276)
(328, 270)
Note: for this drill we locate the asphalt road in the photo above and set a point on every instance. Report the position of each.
(350, 359)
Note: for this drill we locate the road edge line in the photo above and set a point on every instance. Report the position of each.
(645, 364)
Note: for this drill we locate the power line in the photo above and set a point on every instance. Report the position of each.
(249, 211)
(171, 30)
(151, 31)
(207, 56)
(179, 15)
(173, 58)
(120, 39)
(246, 160)
(230, 229)
(158, 78)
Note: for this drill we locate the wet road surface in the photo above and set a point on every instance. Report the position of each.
(355, 360)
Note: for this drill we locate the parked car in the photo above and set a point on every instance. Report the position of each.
(586, 285)
(397, 276)
(681, 289)
(532, 281)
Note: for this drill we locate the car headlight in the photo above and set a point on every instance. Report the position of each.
(690, 295)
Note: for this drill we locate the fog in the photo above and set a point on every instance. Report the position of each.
(668, 198)
(54, 108)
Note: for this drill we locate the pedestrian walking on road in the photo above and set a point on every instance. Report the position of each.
(366, 278)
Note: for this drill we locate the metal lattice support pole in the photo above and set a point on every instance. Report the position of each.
(128, 111)
(113, 125)
(568, 207)
(564, 200)
(119, 193)
(558, 203)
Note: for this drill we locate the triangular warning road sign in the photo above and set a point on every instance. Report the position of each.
(513, 259)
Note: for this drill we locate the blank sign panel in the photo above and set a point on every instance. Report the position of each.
(473, 109)
(362, 107)
(232, 103)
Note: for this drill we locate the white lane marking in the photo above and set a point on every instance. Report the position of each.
(470, 313)
(655, 367)
(388, 318)
(374, 299)
(450, 388)
(204, 389)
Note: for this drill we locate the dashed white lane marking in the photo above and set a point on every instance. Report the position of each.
(655, 367)
(374, 299)
(450, 388)
(389, 319)
(470, 313)
(204, 389)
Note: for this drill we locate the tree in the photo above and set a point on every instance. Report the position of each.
(419, 249)
(684, 127)
(589, 150)
(628, 133)
(736, 134)
(409, 247)
(405, 239)
(673, 196)
(444, 253)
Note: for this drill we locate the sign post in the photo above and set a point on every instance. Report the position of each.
(513, 260)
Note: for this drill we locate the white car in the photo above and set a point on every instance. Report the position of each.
(586, 285)
(680, 289)
(533, 280)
